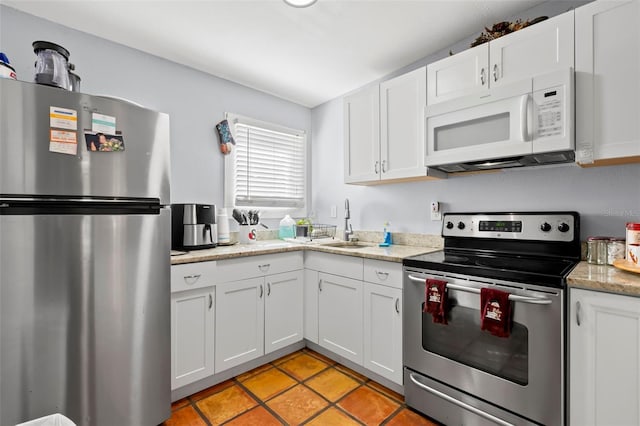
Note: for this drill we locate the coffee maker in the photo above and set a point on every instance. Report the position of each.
(193, 226)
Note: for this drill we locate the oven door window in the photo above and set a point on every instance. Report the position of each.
(463, 341)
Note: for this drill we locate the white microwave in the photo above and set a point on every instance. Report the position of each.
(529, 122)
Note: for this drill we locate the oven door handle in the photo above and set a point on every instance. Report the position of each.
(513, 297)
(460, 404)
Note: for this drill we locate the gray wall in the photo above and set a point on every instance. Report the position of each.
(606, 197)
(194, 100)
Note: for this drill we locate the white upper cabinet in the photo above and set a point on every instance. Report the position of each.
(539, 49)
(608, 83)
(459, 75)
(402, 130)
(384, 131)
(362, 136)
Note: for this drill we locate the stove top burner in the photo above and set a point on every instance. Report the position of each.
(528, 247)
(541, 271)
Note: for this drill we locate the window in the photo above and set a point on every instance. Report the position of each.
(267, 167)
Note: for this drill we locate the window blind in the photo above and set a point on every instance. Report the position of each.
(269, 167)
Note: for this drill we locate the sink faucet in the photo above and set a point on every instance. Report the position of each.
(348, 230)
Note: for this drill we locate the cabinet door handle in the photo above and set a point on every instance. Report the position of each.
(375, 167)
(261, 291)
(191, 279)
(268, 289)
(495, 72)
(265, 267)
(398, 305)
(210, 301)
(382, 276)
(320, 285)
(482, 78)
(578, 313)
(384, 166)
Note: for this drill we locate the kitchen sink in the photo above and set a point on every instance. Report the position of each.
(348, 245)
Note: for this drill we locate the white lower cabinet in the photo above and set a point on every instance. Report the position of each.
(283, 314)
(604, 359)
(383, 331)
(340, 316)
(256, 316)
(311, 280)
(192, 339)
(239, 322)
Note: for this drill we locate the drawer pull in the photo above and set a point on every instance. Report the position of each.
(398, 305)
(261, 291)
(382, 276)
(319, 285)
(265, 267)
(268, 289)
(210, 301)
(191, 279)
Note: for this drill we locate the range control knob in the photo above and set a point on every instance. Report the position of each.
(545, 227)
(449, 225)
(460, 225)
(563, 227)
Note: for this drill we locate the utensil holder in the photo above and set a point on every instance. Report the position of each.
(247, 234)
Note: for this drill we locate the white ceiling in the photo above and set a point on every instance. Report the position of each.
(307, 56)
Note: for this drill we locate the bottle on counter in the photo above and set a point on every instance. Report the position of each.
(287, 228)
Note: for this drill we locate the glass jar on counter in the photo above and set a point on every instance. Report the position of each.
(597, 250)
(615, 249)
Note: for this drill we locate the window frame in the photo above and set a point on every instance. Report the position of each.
(230, 165)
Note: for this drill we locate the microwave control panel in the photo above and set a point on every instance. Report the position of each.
(549, 104)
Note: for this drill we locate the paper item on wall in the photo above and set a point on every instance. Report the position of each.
(101, 123)
(63, 118)
(63, 141)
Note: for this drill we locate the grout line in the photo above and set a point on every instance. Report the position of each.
(200, 413)
(392, 415)
(262, 403)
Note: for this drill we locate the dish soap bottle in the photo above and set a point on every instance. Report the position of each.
(287, 228)
(386, 236)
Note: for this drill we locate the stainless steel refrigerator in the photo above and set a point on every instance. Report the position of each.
(84, 258)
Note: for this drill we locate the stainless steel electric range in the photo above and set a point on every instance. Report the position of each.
(461, 375)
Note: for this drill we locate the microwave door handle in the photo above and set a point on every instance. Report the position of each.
(524, 117)
(513, 297)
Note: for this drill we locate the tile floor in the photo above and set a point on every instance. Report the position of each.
(302, 388)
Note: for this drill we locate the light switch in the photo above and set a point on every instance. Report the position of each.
(334, 211)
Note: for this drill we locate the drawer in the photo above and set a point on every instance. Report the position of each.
(258, 266)
(335, 264)
(385, 273)
(189, 276)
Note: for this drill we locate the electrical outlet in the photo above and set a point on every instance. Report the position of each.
(435, 211)
(334, 211)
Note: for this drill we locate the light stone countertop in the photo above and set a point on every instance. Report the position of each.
(394, 253)
(604, 278)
